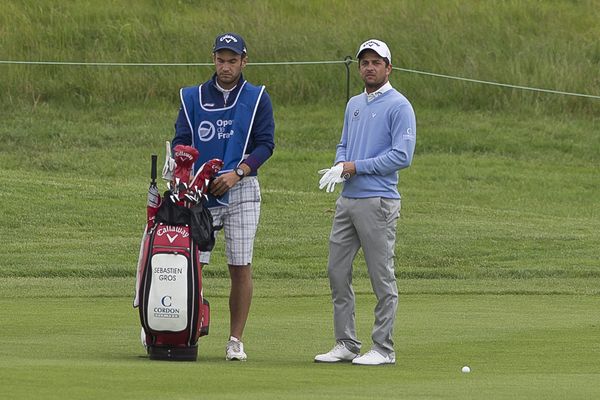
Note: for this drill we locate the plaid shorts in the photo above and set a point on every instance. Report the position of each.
(239, 220)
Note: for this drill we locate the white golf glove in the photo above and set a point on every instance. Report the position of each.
(330, 177)
(153, 197)
(169, 167)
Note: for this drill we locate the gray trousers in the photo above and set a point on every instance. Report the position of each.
(371, 224)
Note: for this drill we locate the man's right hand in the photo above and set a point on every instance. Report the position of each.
(220, 185)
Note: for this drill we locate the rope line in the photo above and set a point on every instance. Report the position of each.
(113, 64)
(346, 61)
(591, 96)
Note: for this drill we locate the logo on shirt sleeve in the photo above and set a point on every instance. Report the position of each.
(409, 134)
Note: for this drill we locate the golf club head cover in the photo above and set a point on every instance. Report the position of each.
(207, 171)
(184, 157)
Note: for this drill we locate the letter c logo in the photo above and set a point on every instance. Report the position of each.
(165, 300)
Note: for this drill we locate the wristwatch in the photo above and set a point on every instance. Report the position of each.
(346, 176)
(240, 173)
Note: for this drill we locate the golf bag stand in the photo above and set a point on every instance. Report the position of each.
(173, 312)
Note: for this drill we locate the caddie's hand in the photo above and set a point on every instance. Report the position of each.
(330, 177)
(223, 183)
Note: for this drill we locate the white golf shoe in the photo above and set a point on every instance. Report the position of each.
(339, 353)
(373, 357)
(235, 350)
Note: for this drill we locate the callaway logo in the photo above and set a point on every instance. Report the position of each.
(184, 154)
(164, 230)
(227, 39)
(371, 44)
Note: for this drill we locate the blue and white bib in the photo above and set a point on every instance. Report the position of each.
(221, 132)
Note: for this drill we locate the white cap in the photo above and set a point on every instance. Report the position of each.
(377, 46)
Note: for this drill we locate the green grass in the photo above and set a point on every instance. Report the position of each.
(497, 243)
(537, 347)
(488, 196)
(548, 45)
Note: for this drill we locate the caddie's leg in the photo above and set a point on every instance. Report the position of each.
(376, 220)
(240, 298)
(240, 227)
(343, 246)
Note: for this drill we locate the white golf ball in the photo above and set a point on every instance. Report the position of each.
(466, 369)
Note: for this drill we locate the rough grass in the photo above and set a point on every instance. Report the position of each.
(548, 45)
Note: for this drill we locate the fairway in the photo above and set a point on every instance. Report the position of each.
(496, 255)
(518, 346)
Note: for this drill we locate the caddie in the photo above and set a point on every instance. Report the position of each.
(228, 118)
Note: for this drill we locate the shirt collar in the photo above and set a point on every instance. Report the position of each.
(226, 92)
(378, 92)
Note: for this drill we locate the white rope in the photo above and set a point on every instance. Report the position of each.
(104, 64)
(591, 96)
(458, 78)
(113, 64)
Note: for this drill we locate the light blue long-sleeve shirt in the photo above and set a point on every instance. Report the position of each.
(379, 136)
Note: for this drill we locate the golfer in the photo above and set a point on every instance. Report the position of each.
(378, 139)
(228, 118)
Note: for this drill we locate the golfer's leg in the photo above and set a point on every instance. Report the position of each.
(240, 298)
(343, 246)
(376, 226)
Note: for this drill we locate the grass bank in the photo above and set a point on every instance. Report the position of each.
(547, 45)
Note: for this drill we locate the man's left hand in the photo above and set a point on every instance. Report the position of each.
(330, 177)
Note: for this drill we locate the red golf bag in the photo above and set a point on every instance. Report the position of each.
(172, 309)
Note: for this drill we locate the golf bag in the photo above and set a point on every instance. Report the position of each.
(173, 311)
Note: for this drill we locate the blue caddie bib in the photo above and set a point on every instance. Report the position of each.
(223, 132)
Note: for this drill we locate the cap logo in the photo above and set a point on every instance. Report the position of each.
(227, 39)
(371, 44)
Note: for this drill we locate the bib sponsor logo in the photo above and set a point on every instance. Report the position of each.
(223, 130)
(206, 131)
